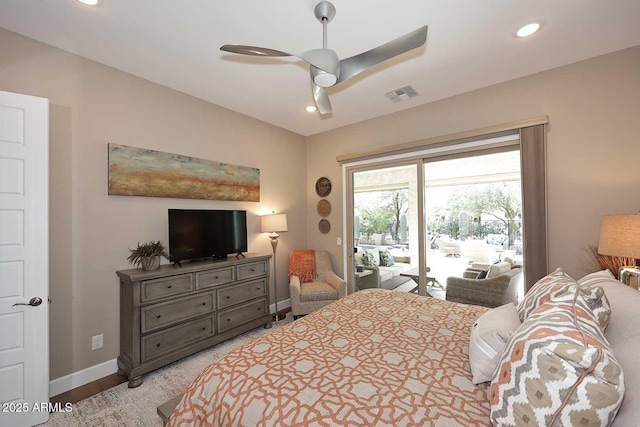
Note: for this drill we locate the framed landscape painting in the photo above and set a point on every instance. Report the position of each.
(141, 172)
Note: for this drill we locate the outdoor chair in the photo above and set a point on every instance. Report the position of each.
(489, 292)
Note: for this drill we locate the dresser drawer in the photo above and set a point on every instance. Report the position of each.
(165, 287)
(255, 269)
(167, 313)
(220, 276)
(237, 316)
(163, 342)
(237, 294)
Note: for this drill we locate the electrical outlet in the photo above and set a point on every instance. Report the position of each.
(339, 241)
(97, 342)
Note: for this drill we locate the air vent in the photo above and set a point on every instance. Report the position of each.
(401, 94)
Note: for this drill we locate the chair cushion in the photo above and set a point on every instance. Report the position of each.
(498, 268)
(489, 336)
(558, 369)
(317, 291)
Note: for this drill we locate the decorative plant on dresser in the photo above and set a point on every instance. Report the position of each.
(173, 312)
(147, 255)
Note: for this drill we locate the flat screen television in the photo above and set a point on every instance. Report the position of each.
(202, 234)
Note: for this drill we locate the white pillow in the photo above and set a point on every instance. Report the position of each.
(489, 336)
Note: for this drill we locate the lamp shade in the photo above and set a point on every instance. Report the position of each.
(273, 223)
(620, 236)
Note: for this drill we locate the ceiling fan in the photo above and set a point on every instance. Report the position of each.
(326, 69)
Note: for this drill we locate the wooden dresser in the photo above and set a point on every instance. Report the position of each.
(173, 312)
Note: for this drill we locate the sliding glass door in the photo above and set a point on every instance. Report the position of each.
(473, 212)
(384, 203)
(469, 208)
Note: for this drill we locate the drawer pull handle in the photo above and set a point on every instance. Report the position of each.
(216, 277)
(204, 329)
(259, 308)
(169, 287)
(204, 303)
(253, 269)
(228, 320)
(228, 297)
(158, 345)
(158, 316)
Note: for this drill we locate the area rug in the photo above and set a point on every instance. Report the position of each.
(123, 406)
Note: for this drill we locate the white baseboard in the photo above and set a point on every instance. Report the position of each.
(281, 306)
(85, 376)
(80, 378)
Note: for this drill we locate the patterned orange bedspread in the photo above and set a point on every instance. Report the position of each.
(376, 357)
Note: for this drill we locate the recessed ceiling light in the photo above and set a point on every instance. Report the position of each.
(90, 2)
(528, 29)
(310, 108)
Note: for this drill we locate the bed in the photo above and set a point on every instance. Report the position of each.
(379, 357)
(374, 357)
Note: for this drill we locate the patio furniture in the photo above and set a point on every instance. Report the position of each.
(448, 246)
(476, 250)
(414, 274)
(383, 276)
(489, 292)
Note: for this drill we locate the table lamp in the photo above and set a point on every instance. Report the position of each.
(620, 236)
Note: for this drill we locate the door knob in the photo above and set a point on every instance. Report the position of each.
(33, 302)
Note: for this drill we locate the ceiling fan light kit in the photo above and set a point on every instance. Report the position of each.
(326, 69)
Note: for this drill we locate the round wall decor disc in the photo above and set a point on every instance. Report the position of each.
(323, 208)
(323, 186)
(324, 226)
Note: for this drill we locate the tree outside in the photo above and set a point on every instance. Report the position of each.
(502, 202)
(381, 212)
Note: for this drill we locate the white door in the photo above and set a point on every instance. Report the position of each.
(24, 259)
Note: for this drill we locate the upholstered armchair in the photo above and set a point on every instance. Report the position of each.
(490, 292)
(323, 289)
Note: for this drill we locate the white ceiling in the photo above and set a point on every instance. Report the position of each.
(470, 45)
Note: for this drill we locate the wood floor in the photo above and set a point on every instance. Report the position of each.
(88, 390)
(98, 386)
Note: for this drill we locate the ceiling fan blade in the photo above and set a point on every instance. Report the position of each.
(350, 67)
(322, 99)
(252, 50)
(324, 59)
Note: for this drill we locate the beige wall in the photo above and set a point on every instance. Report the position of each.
(592, 167)
(592, 151)
(92, 105)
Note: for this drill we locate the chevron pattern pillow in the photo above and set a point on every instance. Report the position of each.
(558, 369)
(558, 283)
(594, 281)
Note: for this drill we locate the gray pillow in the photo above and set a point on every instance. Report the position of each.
(482, 274)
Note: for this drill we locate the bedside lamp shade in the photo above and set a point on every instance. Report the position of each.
(620, 236)
(273, 223)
